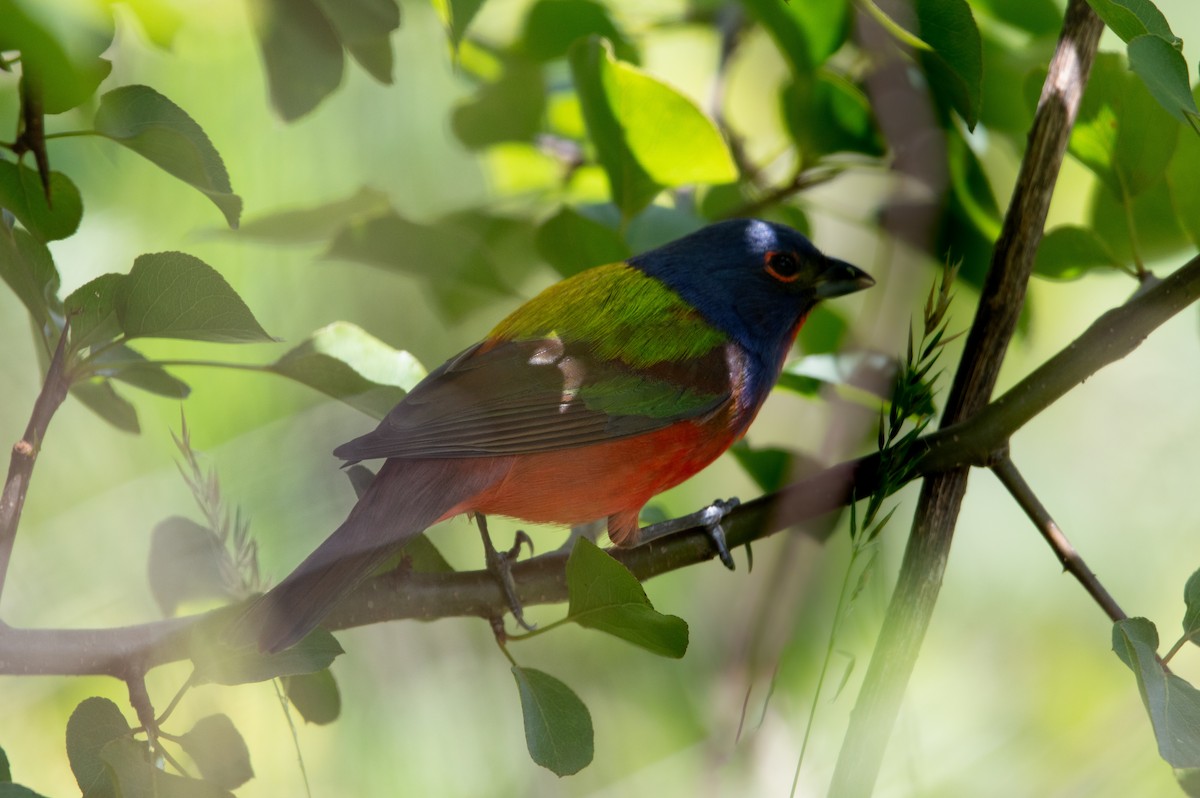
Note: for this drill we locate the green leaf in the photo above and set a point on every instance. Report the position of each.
(220, 663)
(5, 770)
(1038, 17)
(807, 33)
(770, 468)
(558, 727)
(1069, 252)
(823, 331)
(1191, 599)
(175, 295)
(1173, 704)
(219, 751)
(508, 109)
(461, 12)
(22, 193)
(604, 595)
(10, 790)
(301, 52)
(364, 28)
(1189, 781)
(315, 696)
(955, 64)
(552, 26)
(135, 777)
(1122, 133)
(28, 269)
(825, 113)
(347, 363)
(1164, 71)
(93, 311)
(1130, 19)
(1154, 219)
(140, 118)
(93, 724)
(130, 367)
(447, 251)
(60, 51)
(100, 397)
(316, 223)
(187, 563)
(1181, 180)
(626, 112)
(572, 242)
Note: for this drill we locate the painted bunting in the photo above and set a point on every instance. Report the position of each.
(594, 396)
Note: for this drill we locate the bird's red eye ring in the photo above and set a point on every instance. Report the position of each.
(783, 266)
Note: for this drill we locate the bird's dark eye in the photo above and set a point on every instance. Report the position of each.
(783, 266)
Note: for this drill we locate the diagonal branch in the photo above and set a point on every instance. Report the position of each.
(1000, 303)
(1006, 471)
(24, 453)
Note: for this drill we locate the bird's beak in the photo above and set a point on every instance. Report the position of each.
(839, 278)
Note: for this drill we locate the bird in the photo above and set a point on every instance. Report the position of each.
(600, 392)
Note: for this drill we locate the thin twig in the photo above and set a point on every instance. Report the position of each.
(1006, 471)
(24, 453)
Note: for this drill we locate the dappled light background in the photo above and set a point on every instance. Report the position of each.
(1016, 691)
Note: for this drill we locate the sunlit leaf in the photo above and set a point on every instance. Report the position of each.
(1154, 220)
(21, 192)
(1173, 704)
(146, 122)
(1038, 17)
(219, 751)
(315, 696)
(604, 595)
(176, 295)
(93, 724)
(626, 111)
(160, 21)
(1069, 252)
(187, 563)
(347, 363)
(823, 331)
(558, 727)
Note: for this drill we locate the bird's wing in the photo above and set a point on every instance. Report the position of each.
(523, 396)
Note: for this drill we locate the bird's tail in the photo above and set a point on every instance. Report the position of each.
(405, 498)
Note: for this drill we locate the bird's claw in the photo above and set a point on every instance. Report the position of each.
(711, 517)
(499, 565)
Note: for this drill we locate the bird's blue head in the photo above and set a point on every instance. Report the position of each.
(754, 280)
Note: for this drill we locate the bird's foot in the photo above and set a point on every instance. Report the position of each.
(499, 565)
(709, 517)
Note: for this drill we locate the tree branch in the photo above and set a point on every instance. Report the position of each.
(1003, 295)
(24, 453)
(541, 580)
(1006, 471)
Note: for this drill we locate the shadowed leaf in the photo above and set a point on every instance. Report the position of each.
(558, 727)
(176, 295)
(21, 193)
(146, 122)
(1173, 704)
(218, 662)
(94, 723)
(219, 751)
(186, 563)
(604, 595)
(315, 696)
